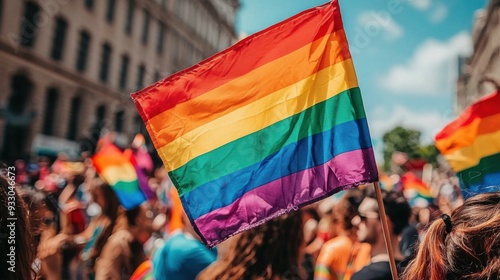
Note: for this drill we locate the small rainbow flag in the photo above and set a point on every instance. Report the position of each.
(270, 124)
(142, 178)
(144, 271)
(414, 185)
(471, 144)
(116, 170)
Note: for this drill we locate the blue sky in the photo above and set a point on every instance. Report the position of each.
(405, 53)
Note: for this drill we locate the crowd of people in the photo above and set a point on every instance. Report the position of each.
(70, 225)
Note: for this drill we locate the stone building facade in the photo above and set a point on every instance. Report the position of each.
(67, 67)
(485, 60)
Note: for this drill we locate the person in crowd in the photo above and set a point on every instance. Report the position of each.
(464, 245)
(343, 255)
(100, 227)
(369, 226)
(22, 176)
(51, 240)
(123, 252)
(24, 252)
(273, 250)
(182, 256)
(44, 230)
(73, 221)
(313, 241)
(409, 240)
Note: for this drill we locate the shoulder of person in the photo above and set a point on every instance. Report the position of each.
(121, 237)
(374, 271)
(338, 243)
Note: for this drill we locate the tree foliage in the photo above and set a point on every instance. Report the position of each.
(407, 141)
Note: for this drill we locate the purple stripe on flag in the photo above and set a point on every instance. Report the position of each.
(277, 197)
(144, 183)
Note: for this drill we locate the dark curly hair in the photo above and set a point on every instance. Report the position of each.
(21, 231)
(265, 252)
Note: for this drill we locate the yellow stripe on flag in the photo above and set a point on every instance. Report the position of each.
(260, 114)
(114, 174)
(484, 145)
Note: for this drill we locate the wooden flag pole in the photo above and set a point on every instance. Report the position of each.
(385, 229)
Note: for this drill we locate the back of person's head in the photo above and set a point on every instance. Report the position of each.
(36, 203)
(111, 210)
(398, 210)
(347, 208)
(16, 249)
(396, 207)
(103, 195)
(271, 250)
(465, 249)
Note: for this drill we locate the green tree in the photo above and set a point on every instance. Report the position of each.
(429, 153)
(405, 140)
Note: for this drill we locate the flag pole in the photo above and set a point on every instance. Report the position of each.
(385, 230)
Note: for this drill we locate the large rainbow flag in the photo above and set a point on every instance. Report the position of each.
(268, 125)
(116, 170)
(471, 144)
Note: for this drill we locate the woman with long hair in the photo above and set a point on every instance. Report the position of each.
(464, 245)
(100, 227)
(16, 250)
(124, 252)
(273, 250)
(47, 240)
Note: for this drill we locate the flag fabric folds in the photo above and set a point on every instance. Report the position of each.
(270, 124)
(471, 144)
(116, 170)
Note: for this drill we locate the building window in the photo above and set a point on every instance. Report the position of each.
(29, 24)
(174, 46)
(73, 118)
(140, 76)
(83, 50)
(21, 92)
(119, 116)
(157, 75)
(110, 10)
(105, 62)
(145, 27)
(130, 16)
(101, 115)
(50, 111)
(59, 36)
(124, 72)
(161, 36)
(17, 121)
(139, 125)
(89, 4)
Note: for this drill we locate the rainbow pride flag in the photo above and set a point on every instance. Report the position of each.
(471, 144)
(116, 170)
(414, 187)
(270, 124)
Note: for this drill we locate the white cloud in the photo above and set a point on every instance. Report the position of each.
(428, 122)
(373, 23)
(420, 4)
(439, 13)
(430, 71)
